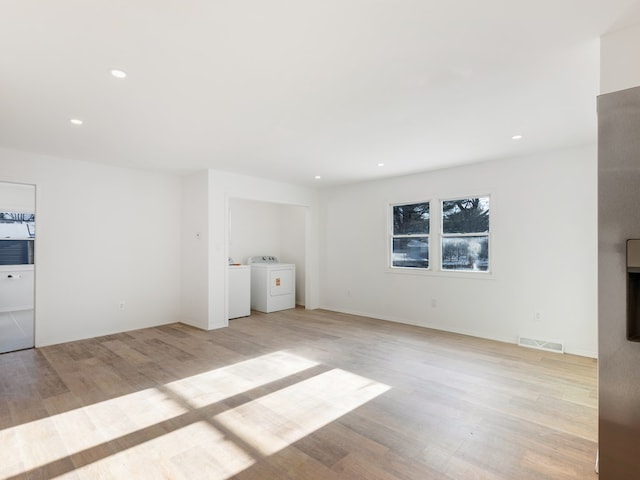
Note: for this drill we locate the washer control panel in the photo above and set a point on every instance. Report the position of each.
(263, 259)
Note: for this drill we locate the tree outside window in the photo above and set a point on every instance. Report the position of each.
(410, 235)
(465, 234)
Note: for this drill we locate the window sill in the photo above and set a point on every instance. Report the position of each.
(421, 272)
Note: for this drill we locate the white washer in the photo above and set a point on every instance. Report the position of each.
(273, 284)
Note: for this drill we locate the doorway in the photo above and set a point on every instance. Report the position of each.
(259, 227)
(17, 266)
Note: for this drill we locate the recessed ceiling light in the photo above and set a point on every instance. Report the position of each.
(118, 73)
(317, 177)
(76, 121)
(516, 137)
(381, 164)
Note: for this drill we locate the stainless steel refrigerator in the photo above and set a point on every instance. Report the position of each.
(619, 284)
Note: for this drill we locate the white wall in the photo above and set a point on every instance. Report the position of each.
(292, 227)
(105, 235)
(194, 256)
(254, 229)
(17, 197)
(543, 252)
(619, 66)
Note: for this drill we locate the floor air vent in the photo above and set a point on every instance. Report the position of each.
(541, 344)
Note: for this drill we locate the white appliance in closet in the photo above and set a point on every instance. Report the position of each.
(273, 284)
(239, 291)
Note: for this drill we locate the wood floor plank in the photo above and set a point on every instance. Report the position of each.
(296, 395)
(358, 468)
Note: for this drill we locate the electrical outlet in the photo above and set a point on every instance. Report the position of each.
(121, 304)
(434, 303)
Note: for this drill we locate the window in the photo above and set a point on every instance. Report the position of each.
(410, 235)
(465, 234)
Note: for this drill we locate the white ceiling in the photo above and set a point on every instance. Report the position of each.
(290, 89)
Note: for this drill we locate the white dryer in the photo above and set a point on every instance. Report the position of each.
(273, 284)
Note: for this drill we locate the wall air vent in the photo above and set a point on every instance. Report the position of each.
(557, 347)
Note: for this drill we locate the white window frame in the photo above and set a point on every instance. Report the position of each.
(392, 236)
(443, 235)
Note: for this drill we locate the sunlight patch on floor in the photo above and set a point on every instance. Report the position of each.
(216, 385)
(30, 445)
(171, 432)
(49, 439)
(195, 451)
(273, 422)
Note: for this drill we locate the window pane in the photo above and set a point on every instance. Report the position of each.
(466, 215)
(465, 253)
(410, 252)
(411, 219)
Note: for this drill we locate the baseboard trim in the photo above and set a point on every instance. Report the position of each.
(461, 331)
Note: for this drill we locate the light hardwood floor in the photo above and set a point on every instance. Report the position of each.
(296, 395)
